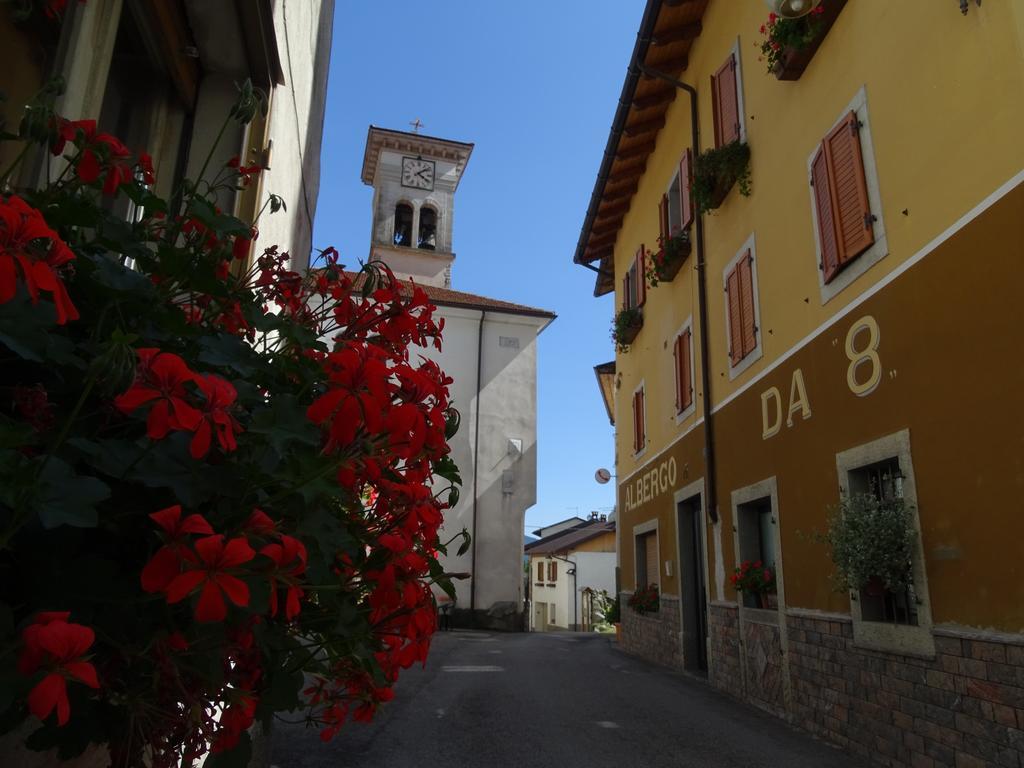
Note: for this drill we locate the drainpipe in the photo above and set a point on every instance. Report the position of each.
(572, 572)
(702, 300)
(476, 464)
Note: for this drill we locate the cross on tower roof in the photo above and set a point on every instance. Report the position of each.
(416, 125)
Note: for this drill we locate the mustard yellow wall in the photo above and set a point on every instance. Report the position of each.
(603, 543)
(944, 98)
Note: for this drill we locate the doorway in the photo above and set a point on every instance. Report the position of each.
(690, 524)
(540, 617)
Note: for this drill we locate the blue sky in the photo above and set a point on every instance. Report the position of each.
(534, 85)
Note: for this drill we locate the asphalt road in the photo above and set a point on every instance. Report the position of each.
(553, 700)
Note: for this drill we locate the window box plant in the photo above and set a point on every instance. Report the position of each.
(716, 171)
(758, 580)
(664, 264)
(872, 543)
(626, 326)
(790, 44)
(645, 600)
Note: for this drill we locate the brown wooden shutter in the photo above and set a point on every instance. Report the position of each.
(663, 224)
(677, 354)
(732, 290)
(685, 384)
(685, 180)
(651, 559)
(636, 422)
(849, 189)
(641, 278)
(554, 570)
(829, 258)
(747, 303)
(540, 571)
(726, 103)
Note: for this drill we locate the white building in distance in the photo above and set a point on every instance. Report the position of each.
(490, 350)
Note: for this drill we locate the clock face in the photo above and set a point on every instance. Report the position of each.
(417, 173)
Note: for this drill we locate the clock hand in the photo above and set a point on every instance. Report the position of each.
(420, 173)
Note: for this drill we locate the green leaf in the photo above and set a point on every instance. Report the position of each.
(284, 422)
(170, 465)
(224, 349)
(467, 540)
(67, 498)
(453, 496)
(14, 434)
(448, 469)
(110, 273)
(234, 758)
(282, 695)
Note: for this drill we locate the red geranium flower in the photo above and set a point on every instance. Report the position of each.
(162, 377)
(215, 417)
(54, 644)
(26, 241)
(211, 562)
(166, 563)
(290, 558)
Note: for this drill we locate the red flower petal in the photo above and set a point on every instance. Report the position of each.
(234, 588)
(84, 672)
(211, 605)
(237, 552)
(161, 570)
(50, 692)
(183, 584)
(196, 524)
(88, 167)
(168, 518)
(200, 443)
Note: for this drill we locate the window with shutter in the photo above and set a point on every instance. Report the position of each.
(725, 105)
(639, 278)
(651, 558)
(685, 180)
(749, 327)
(684, 383)
(848, 189)
(663, 222)
(554, 571)
(828, 259)
(540, 571)
(639, 435)
(732, 291)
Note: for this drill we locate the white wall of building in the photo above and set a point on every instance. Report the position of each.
(594, 570)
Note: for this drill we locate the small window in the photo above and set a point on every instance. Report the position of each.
(540, 571)
(683, 358)
(427, 239)
(639, 421)
(646, 559)
(634, 285)
(403, 224)
(552, 570)
(884, 481)
(757, 532)
(741, 307)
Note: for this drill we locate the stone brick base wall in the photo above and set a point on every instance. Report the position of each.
(652, 636)
(965, 708)
(724, 670)
(962, 709)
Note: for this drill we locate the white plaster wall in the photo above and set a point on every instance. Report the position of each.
(303, 29)
(596, 570)
(508, 409)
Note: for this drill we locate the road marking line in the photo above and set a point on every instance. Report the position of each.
(473, 668)
(607, 724)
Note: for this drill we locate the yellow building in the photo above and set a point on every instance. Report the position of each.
(844, 329)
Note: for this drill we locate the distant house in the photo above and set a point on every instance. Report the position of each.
(548, 530)
(564, 565)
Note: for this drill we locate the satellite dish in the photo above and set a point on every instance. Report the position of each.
(792, 9)
(602, 475)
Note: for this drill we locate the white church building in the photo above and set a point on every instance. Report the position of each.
(490, 350)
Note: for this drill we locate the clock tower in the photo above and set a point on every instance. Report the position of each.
(414, 178)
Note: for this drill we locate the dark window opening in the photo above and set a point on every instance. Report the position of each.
(403, 224)
(757, 531)
(884, 481)
(428, 229)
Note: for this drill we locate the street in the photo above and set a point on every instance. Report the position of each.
(543, 699)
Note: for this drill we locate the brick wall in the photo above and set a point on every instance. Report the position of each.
(965, 708)
(652, 636)
(724, 670)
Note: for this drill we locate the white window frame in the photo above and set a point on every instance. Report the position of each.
(767, 488)
(678, 207)
(880, 248)
(640, 530)
(740, 105)
(758, 351)
(643, 448)
(687, 412)
(914, 640)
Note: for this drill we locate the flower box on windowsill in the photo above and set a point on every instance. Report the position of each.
(666, 263)
(716, 171)
(795, 60)
(626, 326)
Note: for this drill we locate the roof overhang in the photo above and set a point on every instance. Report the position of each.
(667, 31)
(378, 139)
(605, 373)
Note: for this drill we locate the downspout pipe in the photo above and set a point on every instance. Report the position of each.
(702, 300)
(476, 464)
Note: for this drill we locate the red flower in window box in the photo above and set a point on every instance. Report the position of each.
(161, 381)
(210, 565)
(59, 648)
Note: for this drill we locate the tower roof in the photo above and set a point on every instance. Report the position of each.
(378, 139)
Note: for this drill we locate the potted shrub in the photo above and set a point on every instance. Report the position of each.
(872, 543)
(626, 326)
(716, 170)
(756, 579)
(613, 616)
(664, 264)
(789, 44)
(645, 600)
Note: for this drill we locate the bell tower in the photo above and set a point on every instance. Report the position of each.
(414, 178)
